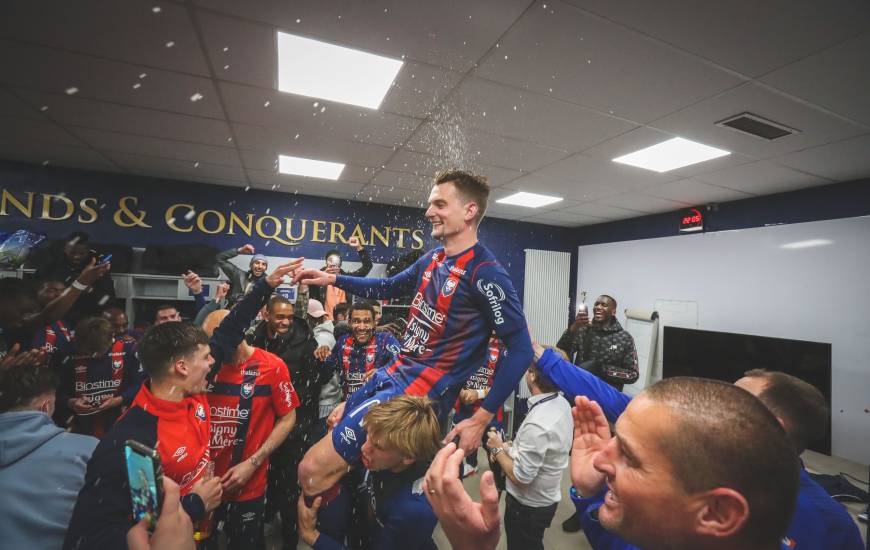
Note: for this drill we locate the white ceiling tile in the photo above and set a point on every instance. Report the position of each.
(404, 181)
(128, 31)
(297, 114)
(406, 197)
(506, 111)
(451, 34)
(155, 147)
(645, 137)
(837, 78)
(590, 61)
(698, 123)
(842, 161)
(178, 168)
(54, 154)
(310, 145)
(604, 211)
(570, 190)
(642, 203)
(584, 169)
(88, 113)
(49, 70)
(776, 32)
(461, 147)
(695, 192)
(288, 184)
(36, 130)
(761, 178)
(426, 165)
(551, 221)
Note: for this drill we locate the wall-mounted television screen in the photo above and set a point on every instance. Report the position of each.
(726, 356)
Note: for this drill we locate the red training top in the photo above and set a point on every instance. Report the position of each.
(245, 399)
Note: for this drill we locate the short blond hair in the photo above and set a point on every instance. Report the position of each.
(406, 424)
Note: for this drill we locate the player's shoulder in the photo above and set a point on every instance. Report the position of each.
(485, 263)
(269, 362)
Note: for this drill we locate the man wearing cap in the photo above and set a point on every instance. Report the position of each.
(242, 281)
(331, 295)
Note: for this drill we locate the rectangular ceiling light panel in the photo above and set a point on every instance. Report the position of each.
(298, 166)
(326, 71)
(671, 154)
(529, 200)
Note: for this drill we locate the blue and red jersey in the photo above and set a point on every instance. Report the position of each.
(353, 360)
(482, 380)
(244, 401)
(98, 379)
(458, 302)
(53, 338)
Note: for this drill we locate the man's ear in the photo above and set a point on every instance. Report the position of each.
(180, 367)
(471, 210)
(722, 513)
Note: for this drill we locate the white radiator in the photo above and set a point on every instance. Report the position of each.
(545, 295)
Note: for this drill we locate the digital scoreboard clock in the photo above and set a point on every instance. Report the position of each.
(691, 221)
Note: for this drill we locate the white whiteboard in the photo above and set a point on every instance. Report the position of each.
(805, 281)
(644, 331)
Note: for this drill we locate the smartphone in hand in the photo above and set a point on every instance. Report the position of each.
(145, 477)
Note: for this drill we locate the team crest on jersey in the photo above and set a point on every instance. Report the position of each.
(200, 412)
(427, 275)
(370, 357)
(247, 390)
(493, 355)
(448, 288)
(117, 364)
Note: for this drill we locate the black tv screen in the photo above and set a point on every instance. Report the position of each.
(726, 356)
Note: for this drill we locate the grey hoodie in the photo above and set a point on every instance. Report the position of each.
(330, 392)
(42, 468)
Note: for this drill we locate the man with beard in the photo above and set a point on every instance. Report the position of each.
(602, 346)
(290, 338)
(462, 294)
(241, 281)
(360, 353)
(170, 414)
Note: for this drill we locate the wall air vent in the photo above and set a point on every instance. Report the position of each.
(754, 125)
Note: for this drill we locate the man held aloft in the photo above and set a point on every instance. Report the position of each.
(251, 389)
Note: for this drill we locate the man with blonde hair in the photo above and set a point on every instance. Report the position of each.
(403, 436)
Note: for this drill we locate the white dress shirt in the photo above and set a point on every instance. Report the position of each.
(540, 451)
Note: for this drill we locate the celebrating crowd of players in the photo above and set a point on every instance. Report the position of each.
(317, 418)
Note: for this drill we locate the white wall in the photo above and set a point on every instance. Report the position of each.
(744, 281)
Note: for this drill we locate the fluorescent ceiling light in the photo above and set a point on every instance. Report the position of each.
(317, 69)
(529, 200)
(810, 243)
(671, 154)
(312, 168)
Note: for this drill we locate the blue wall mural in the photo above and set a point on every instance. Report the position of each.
(142, 211)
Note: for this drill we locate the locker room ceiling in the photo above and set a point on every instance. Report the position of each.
(539, 96)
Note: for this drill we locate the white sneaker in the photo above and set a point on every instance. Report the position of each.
(467, 470)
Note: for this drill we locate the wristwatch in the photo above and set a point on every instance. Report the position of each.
(255, 462)
(494, 452)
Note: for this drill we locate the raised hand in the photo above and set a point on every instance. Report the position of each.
(591, 434)
(92, 272)
(221, 291)
(313, 277)
(274, 279)
(15, 358)
(355, 242)
(468, 525)
(193, 282)
(247, 249)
